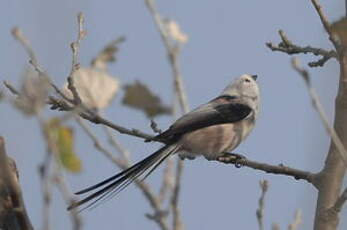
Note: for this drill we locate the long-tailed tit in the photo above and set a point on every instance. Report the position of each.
(210, 130)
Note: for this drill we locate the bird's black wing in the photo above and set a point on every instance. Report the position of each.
(221, 110)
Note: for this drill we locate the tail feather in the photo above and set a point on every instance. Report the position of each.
(118, 182)
(112, 178)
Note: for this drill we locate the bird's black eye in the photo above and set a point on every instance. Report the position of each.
(247, 80)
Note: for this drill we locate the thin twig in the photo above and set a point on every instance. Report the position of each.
(75, 65)
(97, 119)
(297, 220)
(173, 51)
(168, 180)
(333, 38)
(319, 108)
(44, 170)
(18, 34)
(264, 185)
(340, 201)
(58, 178)
(11, 88)
(123, 164)
(286, 46)
(117, 145)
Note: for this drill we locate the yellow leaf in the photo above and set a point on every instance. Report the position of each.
(62, 136)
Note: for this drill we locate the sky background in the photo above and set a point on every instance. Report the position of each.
(226, 39)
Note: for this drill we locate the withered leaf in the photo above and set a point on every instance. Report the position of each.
(107, 54)
(96, 88)
(33, 93)
(138, 96)
(62, 137)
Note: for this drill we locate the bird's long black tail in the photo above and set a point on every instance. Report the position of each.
(111, 186)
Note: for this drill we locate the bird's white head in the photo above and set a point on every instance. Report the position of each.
(246, 88)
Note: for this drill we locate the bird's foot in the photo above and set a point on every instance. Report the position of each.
(234, 158)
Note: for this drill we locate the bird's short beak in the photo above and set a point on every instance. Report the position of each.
(254, 77)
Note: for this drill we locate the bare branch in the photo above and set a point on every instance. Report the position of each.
(168, 180)
(123, 164)
(11, 88)
(333, 38)
(75, 65)
(18, 34)
(341, 201)
(44, 170)
(173, 52)
(264, 185)
(67, 196)
(97, 119)
(286, 46)
(272, 169)
(297, 220)
(319, 108)
(116, 144)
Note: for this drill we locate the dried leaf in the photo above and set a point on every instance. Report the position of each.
(175, 32)
(33, 94)
(138, 96)
(62, 137)
(340, 28)
(108, 54)
(95, 88)
(2, 95)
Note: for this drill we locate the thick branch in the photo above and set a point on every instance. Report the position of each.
(13, 215)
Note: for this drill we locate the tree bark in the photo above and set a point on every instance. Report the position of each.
(331, 177)
(13, 215)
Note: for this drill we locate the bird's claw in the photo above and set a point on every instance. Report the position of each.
(232, 158)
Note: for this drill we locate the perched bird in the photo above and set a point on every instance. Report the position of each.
(210, 130)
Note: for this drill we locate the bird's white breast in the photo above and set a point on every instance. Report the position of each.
(214, 140)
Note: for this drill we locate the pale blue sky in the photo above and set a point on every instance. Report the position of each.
(226, 39)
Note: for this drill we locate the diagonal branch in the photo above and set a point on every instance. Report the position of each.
(123, 164)
(340, 201)
(319, 108)
(333, 38)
